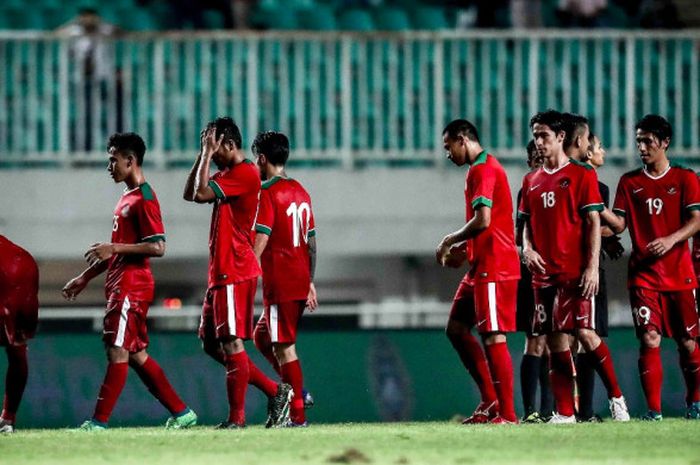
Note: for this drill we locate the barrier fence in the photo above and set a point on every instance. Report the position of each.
(343, 98)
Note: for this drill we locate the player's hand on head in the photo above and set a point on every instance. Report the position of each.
(211, 142)
(311, 299)
(534, 262)
(99, 252)
(589, 282)
(73, 287)
(660, 246)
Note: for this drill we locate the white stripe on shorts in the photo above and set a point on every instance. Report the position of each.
(593, 312)
(123, 318)
(493, 314)
(274, 323)
(231, 309)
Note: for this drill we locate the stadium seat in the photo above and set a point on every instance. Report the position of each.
(355, 19)
(318, 18)
(392, 19)
(429, 18)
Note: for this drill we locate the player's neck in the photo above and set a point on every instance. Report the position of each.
(475, 151)
(134, 180)
(555, 162)
(658, 168)
(275, 172)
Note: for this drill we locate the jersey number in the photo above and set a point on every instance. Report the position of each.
(548, 199)
(115, 223)
(300, 222)
(655, 206)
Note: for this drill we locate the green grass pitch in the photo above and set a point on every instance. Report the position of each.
(674, 441)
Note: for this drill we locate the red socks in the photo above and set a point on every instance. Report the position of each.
(690, 364)
(606, 370)
(501, 367)
(260, 380)
(474, 360)
(157, 383)
(15, 381)
(291, 374)
(651, 373)
(237, 376)
(561, 376)
(112, 386)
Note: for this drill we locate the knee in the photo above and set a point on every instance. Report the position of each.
(536, 345)
(588, 339)
(117, 355)
(284, 353)
(687, 345)
(651, 339)
(454, 331)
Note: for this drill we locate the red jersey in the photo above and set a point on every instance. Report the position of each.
(696, 253)
(286, 216)
(654, 207)
(231, 256)
(492, 253)
(136, 219)
(555, 202)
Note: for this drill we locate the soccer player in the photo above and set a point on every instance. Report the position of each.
(19, 311)
(660, 204)
(227, 312)
(487, 295)
(286, 245)
(561, 245)
(534, 366)
(137, 235)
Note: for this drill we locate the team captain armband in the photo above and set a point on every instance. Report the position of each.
(482, 201)
(217, 190)
(592, 207)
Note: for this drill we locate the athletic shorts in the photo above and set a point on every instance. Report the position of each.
(562, 308)
(125, 323)
(670, 313)
(281, 321)
(19, 308)
(228, 311)
(490, 306)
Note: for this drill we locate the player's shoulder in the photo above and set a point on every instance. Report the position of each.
(584, 168)
(632, 174)
(683, 170)
(273, 184)
(147, 192)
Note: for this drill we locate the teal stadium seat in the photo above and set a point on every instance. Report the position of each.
(276, 18)
(355, 19)
(429, 18)
(392, 19)
(318, 18)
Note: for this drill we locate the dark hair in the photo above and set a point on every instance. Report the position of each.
(574, 125)
(88, 10)
(227, 126)
(128, 142)
(461, 127)
(551, 118)
(592, 137)
(274, 145)
(657, 125)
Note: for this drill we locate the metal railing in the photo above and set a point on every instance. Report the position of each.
(343, 98)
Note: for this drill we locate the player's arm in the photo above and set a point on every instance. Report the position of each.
(76, 285)
(261, 240)
(589, 280)
(103, 251)
(480, 221)
(615, 219)
(661, 245)
(533, 260)
(312, 300)
(198, 189)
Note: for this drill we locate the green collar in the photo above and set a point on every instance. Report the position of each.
(481, 158)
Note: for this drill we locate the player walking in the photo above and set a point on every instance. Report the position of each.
(660, 204)
(286, 245)
(486, 297)
(137, 235)
(561, 246)
(19, 311)
(227, 312)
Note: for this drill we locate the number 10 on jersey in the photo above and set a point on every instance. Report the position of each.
(300, 215)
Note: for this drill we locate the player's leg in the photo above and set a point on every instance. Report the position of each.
(684, 324)
(237, 377)
(648, 322)
(153, 377)
(462, 318)
(111, 388)
(495, 311)
(292, 375)
(530, 368)
(546, 396)
(15, 382)
(263, 342)
(561, 377)
(207, 330)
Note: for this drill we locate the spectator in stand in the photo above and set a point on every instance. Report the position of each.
(190, 13)
(526, 14)
(581, 13)
(659, 14)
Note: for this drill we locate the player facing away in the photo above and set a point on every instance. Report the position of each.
(487, 295)
(534, 366)
(19, 312)
(137, 235)
(660, 205)
(227, 312)
(285, 243)
(561, 246)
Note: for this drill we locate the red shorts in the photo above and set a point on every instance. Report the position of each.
(125, 323)
(19, 306)
(488, 306)
(670, 313)
(228, 311)
(282, 320)
(562, 308)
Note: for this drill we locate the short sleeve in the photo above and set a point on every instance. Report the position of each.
(523, 205)
(620, 204)
(691, 192)
(151, 227)
(312, 225)
(232, 183)
(589, 196)
(265, 220)
(482, 181)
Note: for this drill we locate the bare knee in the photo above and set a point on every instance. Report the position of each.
(687, 344)
(284, 353)
(558, 342)
(455, 330)
(535, 345)
(494, 338)
(117, 354)
(232, 346)
(138, 358)
(588, 339)
(651, 339)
